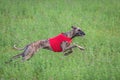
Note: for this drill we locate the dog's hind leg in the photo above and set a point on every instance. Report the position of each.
(14, 57)
(27, 57)
(28, 53)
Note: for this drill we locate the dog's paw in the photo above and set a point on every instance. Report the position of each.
(81, 48)
(66, 54)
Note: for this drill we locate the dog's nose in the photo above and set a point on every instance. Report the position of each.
(82, 33)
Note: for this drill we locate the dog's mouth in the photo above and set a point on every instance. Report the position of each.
(81, 34)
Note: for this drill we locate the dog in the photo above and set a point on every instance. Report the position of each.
(59, 43)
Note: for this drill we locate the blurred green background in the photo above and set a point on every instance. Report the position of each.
(25, 21)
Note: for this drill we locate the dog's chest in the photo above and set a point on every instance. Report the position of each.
(56, 41)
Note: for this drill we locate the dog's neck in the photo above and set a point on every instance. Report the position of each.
(71, 34)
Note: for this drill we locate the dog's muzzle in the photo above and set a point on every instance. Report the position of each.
(81, 34)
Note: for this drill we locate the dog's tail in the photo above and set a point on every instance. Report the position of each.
(18, 48)
(14, 57)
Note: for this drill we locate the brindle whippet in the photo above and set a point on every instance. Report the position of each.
(30, 49)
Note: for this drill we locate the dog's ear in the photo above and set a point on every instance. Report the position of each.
(73, 27)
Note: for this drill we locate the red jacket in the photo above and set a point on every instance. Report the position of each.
(56, 41)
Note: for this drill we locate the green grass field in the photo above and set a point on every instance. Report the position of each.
(25, 21)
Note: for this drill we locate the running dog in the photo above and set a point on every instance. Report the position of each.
(59, 43)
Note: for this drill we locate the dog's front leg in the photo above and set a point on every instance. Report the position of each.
(81, 48)
(66, 48)
(68, 52)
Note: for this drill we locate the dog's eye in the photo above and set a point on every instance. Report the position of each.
(78, 29)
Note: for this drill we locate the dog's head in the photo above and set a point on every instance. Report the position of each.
(77, 31)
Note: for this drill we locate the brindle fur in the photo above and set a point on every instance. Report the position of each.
(30, 49)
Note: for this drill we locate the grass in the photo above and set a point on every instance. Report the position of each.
(25, 21)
